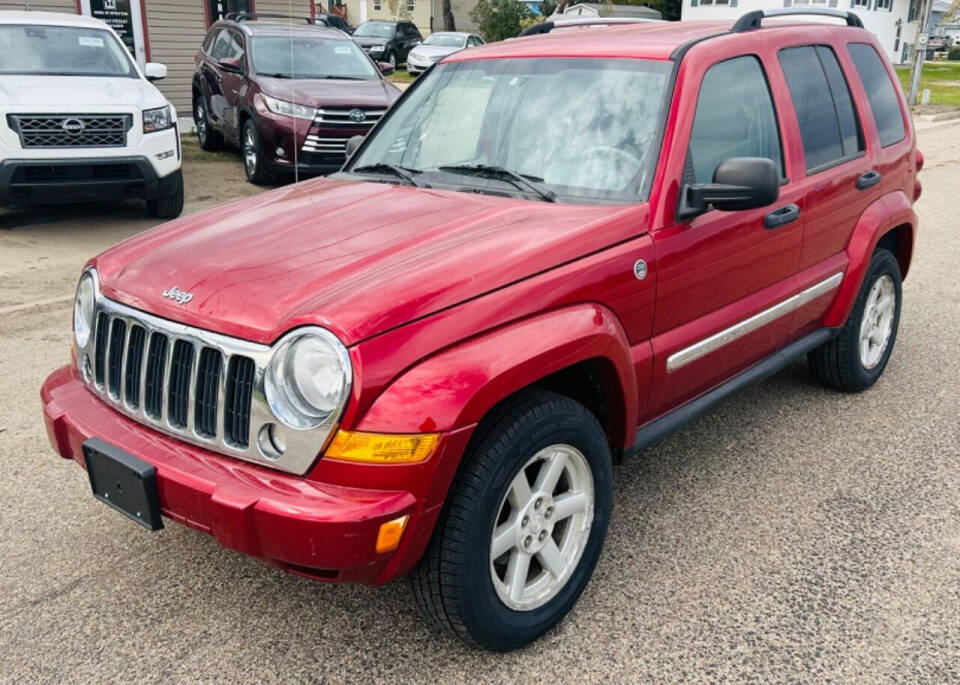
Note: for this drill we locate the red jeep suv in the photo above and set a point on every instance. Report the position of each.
(289, 96)
(551, 253)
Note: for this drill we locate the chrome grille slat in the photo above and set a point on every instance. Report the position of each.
(47, 130)
(341, 116)
(222, 395)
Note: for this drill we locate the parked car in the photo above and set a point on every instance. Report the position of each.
(79, 120)
(387, 41)
(428, 363)
(437, 46)
(334, 21)
(289, 96)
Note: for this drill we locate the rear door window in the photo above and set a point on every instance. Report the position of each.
(821, 98)
(734, 118)
(884, 104)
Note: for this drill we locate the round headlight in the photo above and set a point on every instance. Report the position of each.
(308, 378)
(83, 310)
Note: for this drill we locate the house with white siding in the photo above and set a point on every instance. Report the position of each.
(893, 21)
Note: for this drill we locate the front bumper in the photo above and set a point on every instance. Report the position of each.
(322, 530)
(51, 181)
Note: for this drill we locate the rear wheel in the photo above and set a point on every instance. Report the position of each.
(523, 526)
(855, 359)
(253, 162)
(208, 139)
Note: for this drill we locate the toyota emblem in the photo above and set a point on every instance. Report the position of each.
(358, 115)
(72, 126)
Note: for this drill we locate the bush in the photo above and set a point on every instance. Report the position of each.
(954, 53)
(499, 19)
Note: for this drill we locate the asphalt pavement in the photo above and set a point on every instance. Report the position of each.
(793, 535)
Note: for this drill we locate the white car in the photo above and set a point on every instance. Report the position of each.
(437, 46)
(79, 120)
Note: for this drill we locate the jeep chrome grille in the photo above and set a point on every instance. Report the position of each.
(71, 130)
(202, 387)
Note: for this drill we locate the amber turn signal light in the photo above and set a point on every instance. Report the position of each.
(388, 539)
(381, 448)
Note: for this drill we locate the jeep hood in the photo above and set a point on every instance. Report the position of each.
(48, 92)
(355, 257)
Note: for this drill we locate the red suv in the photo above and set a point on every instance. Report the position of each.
(289, 96)
(551, 253)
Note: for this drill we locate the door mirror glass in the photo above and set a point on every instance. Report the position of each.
(154, 71)
(738, 183)
(231, 64)
(352, 144)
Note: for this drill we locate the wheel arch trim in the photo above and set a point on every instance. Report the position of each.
(460, 384)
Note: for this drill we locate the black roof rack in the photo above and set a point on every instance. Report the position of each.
(247, 16)
(548, 26)
(751, 20)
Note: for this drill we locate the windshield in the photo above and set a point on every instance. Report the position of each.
(446, 40)
(309, 57)
(375, 29)
(582, 128)
(62, 51)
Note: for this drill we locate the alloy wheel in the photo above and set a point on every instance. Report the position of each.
(876, 325)
(542, 527)
(249, 152)
(201, 120)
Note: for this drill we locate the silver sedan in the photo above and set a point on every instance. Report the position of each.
(437, 46)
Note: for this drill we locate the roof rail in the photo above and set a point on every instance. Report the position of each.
(751, 20)
(248, 16)
(548, 26)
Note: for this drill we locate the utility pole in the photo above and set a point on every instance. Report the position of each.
(920, 50)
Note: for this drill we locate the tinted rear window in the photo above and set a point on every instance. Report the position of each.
(821, 98)
(884, 103)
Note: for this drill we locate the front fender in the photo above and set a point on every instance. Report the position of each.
(886, 213)
(459, 385)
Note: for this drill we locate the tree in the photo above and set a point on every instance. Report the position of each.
(499, 19)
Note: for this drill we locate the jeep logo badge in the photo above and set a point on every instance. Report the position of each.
(358, 115)
(72, 126)
(180, 296)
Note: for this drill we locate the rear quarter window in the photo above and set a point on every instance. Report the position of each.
(884, 103)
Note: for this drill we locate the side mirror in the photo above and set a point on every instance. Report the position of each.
(385, 68)
(352, 144)
(154, 71)
(738, 183)
(232, 64)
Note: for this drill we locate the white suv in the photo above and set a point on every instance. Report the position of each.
(79, 120)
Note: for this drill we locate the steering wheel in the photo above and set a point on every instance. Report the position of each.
(626, 159)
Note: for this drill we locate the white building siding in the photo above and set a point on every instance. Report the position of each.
(882, 22)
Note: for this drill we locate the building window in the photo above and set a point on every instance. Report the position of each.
(411, 5)
(883, 4)
(377, 6)
(861, 3)
(912, 13)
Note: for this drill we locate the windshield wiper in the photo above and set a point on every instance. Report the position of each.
(275, 74)
(343, 78)
(498, 172)
(399, 171)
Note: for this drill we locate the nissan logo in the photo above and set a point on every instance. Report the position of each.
(72, 126)
(358, 115)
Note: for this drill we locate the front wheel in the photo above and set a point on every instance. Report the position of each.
(855, 359)
(523, 527)
(171, 206)
(254, 165)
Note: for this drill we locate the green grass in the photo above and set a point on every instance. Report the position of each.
(400, 76)
(942, 78)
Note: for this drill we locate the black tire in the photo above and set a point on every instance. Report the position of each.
(171, 206)
(209, 139)
(837, 364)
(255, 170)
(453, 584)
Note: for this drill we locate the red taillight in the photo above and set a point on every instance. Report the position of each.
(919, 160)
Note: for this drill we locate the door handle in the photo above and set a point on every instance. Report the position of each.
(871, 178)
(782, 216)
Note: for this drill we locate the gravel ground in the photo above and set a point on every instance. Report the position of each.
(793, 535)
